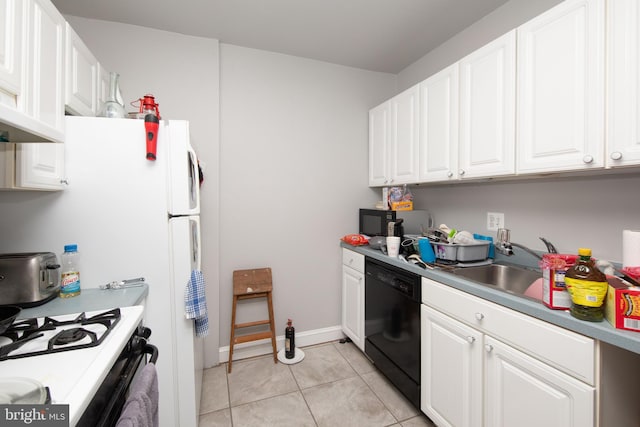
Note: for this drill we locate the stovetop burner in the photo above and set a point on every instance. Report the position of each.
(68, 336)
(37, 336)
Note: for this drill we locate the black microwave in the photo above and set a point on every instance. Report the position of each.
(374, 222)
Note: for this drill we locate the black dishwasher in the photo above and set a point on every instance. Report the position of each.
(392, 325)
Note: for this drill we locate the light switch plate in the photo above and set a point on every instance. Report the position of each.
(495, 220)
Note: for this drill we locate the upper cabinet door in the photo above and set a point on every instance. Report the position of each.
(81, 86)
(404, 143)
(40, 166)
(623, 83)
(561, 88)
(487, 110)
(11, 23)
(439, 126)
(379, 145)
(45, 63)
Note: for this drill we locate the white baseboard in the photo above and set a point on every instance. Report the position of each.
(262, 347)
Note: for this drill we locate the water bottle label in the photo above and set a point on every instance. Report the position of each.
(70, 282)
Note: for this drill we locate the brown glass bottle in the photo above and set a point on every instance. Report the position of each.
(588, 287)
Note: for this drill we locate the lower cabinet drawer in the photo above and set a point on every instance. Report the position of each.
(565, 350)
(353, 260)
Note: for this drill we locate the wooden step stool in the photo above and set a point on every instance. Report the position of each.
(249, 284)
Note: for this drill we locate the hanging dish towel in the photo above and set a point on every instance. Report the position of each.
(195, 302)
(141, 407)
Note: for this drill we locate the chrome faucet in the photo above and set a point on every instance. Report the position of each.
(504, 245)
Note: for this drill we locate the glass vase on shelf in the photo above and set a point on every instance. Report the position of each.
(112, 108)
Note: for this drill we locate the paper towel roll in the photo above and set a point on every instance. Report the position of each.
(630, 248)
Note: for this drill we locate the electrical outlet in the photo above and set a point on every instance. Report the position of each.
(495, 220)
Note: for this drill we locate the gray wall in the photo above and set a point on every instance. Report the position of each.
(293, 175)
(500, 21)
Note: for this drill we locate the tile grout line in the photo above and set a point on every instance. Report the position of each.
(315, 421)
(368, 386)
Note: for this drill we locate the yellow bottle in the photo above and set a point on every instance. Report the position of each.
(588, 288)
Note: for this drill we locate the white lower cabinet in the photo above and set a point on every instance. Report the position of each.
(353, 296)
(522, 391)
(474, 374)
(32, 166)
(451, 374)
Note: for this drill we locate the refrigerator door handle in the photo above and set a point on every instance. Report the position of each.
(194, 179)
(196, 254)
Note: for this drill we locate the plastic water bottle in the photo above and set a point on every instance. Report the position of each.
(70, 283)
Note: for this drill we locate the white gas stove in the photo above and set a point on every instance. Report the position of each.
(71, 355)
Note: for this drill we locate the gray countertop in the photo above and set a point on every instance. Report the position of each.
(602, 331)
(89, 300)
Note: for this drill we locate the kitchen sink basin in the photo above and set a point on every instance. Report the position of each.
(508, 278)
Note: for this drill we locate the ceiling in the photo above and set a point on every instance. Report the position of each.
(377, 35)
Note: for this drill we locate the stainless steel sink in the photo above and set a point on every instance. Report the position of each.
(508, 278)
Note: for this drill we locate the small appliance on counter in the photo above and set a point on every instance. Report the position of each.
(29, 279)
(374, 222)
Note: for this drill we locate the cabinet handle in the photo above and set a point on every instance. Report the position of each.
(449, 174)
(479, 316)
(461, 172)
(64, 181)
(587, 159)
(471, 339)
(488, 348)
(616, 155)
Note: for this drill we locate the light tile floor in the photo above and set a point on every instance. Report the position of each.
(335, 385)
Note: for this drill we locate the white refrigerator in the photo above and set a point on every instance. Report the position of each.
(131, 217)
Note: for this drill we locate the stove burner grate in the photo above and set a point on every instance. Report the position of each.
(69, 336)
(24, 331)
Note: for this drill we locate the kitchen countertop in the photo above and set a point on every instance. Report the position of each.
(89, 300)
(602, 331)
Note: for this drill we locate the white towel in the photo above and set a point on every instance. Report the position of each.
(195, 302)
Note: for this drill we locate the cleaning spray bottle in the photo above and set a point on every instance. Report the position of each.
(289, 340)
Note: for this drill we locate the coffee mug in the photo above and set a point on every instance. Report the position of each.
(393, 246)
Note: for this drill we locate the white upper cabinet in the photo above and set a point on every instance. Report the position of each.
(46, 65)
(623, 83)
(32, 166)
(81, 96)
(11, 26)
(561, 89)
(379, 145)
(439, 126)
(40, 166)
(33, 44)
(393, 140)
(403, 142)
(487, 110)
